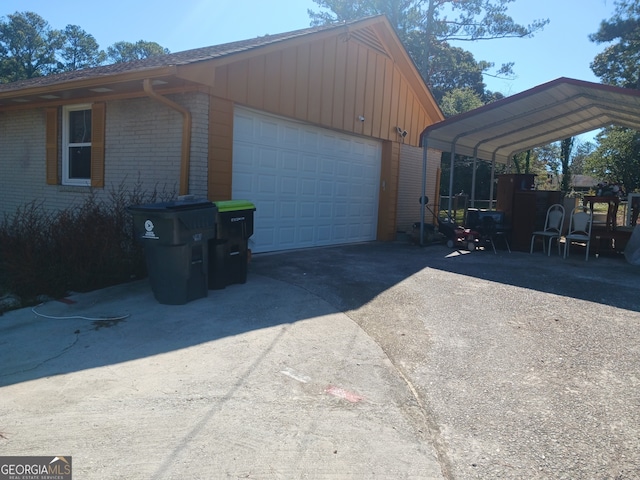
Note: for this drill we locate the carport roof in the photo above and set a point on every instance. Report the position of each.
(547, 113)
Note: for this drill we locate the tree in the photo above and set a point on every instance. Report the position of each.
(28, 47)
(522, 162)
(566, 146)
(617, 157)
(460, 100)
(427, 26)
(619, 63)
(121, 52)
(80, 50)
(583, 150)
(534, 161)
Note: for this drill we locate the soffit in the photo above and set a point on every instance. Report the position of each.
(550, 112)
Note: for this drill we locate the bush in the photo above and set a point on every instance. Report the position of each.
(76, 249)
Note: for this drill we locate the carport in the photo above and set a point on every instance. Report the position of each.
(547, 113)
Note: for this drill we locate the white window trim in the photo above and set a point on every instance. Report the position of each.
(65, 146)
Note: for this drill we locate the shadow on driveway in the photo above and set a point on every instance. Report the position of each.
(125, 322)
(350, 276)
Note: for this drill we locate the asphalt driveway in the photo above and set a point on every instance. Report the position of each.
(363, 361)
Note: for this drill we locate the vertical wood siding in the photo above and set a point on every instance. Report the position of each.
(220, 148)
(330, 83)
(98, 117)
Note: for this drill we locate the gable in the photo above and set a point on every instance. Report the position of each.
(332, 82)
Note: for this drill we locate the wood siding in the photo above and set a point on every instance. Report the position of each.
(388, 203)
(98, 121)
(220, 148)
(331, 82)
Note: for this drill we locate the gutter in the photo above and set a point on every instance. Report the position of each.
(185, 155)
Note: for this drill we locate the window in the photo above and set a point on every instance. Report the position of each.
(76, 145)
(82, 139)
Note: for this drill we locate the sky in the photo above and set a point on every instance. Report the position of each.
(562, 49)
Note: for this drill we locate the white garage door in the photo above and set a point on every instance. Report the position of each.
(311, 186)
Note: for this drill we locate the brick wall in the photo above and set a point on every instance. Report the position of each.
(143, 141)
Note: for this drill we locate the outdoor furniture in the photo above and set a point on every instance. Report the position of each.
(490, 230)
(579, 229)
(552, 228)
(607, 235)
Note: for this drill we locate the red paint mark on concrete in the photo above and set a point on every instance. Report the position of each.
(344, 394)
(67, 301)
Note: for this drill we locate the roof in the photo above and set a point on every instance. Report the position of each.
(171, 59)
(547, 113)
(195, 69)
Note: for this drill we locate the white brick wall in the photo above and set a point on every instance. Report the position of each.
(143, 141)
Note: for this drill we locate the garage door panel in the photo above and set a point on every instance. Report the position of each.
(288, 186)
(289, 161)
(310, 140)
(287, 210)
(310, 186)
(290, 137)
(267, 184)
(310, 164)
(268, 131)
(308, 211)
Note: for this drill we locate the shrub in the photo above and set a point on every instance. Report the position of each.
(77, 249)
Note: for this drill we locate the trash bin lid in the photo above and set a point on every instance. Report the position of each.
(233, 205)
(172, 205)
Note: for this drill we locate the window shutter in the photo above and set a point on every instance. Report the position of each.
(51, 142)
(98, 114)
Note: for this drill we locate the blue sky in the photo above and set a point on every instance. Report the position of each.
(561, 50)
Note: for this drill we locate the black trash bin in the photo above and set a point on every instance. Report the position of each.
(175, 237)
(229, 250)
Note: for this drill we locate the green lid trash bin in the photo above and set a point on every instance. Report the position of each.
(229, 250)
(175, 236)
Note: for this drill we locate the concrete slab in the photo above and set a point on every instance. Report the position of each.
(263, 380)
(362, 361)
(524, 366)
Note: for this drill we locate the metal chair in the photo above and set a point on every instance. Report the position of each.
(489, 231)
(552, 228)
(579, 229)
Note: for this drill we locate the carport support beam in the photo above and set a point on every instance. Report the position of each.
(493, 175)
(453, 156)
(473, 182)
(424, 190)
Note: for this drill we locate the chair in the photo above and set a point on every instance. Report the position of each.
(579, 229)
(552, 228)
(489, 230)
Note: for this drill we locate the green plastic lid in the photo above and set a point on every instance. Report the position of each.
(233, 205)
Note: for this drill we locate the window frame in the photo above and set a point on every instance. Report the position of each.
(66, 144)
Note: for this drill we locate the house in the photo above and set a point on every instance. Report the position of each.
(319, 128)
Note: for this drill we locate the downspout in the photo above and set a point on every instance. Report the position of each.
(185, 155)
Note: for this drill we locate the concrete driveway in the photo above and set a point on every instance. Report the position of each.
(363, 361)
